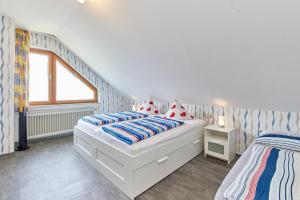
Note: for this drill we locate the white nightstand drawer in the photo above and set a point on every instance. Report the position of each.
(216, 149)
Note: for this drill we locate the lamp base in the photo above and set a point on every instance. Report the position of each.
(22, 148)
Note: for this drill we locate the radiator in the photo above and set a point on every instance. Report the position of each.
(50, 124)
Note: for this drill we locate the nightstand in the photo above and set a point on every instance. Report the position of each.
(220, 142)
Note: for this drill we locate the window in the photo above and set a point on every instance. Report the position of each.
(38, 76)
(52, 81)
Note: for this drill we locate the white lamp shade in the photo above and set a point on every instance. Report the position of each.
(134, 108)
(221, 121)
(83, 1)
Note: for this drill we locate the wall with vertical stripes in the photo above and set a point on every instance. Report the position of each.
(248, 122)
(7, 60)
(111, 100)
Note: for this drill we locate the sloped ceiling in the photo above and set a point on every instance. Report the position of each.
(238, 52)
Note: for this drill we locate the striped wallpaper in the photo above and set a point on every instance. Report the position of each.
(7, 60)
(248, 122)
(111, 100)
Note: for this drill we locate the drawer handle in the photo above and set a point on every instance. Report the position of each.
(196, 141)
(164, 159)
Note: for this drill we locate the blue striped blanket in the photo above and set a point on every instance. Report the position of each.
(108, 118)
(282, 141)
(135, 131)
(271, 173)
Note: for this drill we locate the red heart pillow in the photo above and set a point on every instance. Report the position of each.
(177, 111)
(148, 107)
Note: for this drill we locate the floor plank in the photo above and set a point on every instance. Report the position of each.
(51, 169)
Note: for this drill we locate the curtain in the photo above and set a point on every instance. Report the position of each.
(21, 70)
(21, 83)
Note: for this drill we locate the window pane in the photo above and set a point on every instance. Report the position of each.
(69, 87)
(38, 77)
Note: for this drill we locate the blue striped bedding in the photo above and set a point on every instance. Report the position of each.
(289, 142)
(135, 131)
(108, 118)
(272, 172)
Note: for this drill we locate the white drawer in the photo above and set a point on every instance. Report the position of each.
(166, 164)
(216, 148)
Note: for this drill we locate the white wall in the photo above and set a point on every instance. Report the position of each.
(244, 52)
(7, 60)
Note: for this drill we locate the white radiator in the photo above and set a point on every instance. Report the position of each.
(45, 124)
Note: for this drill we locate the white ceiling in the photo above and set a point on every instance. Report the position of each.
(240, 52)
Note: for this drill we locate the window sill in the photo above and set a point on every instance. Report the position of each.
(63, 107)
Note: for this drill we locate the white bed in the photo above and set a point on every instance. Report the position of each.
(135, 168)
(239, 166)
(233, 173)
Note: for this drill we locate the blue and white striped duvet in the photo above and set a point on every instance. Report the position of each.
(109, 118)
(135, 131)
(289, 142)
(271, 173)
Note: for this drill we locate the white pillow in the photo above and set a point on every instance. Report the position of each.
(148, 107)
(177, 111)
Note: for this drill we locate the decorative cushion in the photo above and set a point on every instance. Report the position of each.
(177, 111)
(148, 107)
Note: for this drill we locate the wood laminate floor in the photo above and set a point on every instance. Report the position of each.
(52, 170)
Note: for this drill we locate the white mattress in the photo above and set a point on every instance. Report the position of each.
(143, 145)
